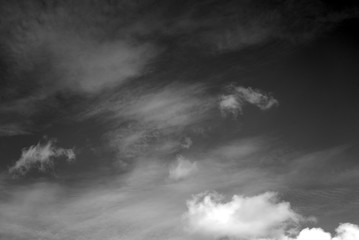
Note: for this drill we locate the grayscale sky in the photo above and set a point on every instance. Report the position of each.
(179, 120)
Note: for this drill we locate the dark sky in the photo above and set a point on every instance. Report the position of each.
(179, 120)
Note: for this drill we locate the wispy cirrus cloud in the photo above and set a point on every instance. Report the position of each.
(152, 119)
(63, 53)
(12, 129)
(41, 157)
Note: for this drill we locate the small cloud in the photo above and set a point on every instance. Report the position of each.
(187, 143)
(261, 216)
(238, 97)
(182, 168)
(229, 103)
(41, 157)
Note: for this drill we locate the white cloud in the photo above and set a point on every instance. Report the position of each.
(345, 231)
(314, 233)
(238, 97)
(40, 156)
(182, 168)
(261, 216)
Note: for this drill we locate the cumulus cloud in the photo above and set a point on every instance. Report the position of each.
(41, 157)
(345, 231)
(238, 97)
(313, 233)
(182, 168)
(261, 216)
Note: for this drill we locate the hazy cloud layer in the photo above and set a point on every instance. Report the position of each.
(59, 51)
(152, 120)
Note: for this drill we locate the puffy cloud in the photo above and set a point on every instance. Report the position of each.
(182, 168)
(314, 233)
(261, 216)
(40, 156)
(345, 231)
(238, 97)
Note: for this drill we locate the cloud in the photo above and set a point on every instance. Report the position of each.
(238, 97)
(77, 63)
(65, 50)
(314, 233)
(187, 142)
(92, 67)
(345, 231)
(260, 216)
(12, 129)
(125, 206)
(152, 119)
(182, 168)
(41, 157)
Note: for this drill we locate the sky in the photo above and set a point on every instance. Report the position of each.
(179, 120)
